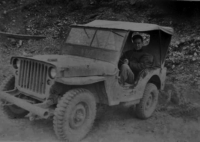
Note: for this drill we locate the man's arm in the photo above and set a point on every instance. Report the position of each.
(122, 59)
(145, 62)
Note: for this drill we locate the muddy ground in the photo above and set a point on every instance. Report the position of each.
(177, 120)
(116, 125)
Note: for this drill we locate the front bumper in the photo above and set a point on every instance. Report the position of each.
(33, 108)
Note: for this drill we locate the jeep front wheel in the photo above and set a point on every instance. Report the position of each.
(10, 110)
(74, 115)
(148, 103)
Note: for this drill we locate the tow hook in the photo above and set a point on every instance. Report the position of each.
(44, 105)
(33, 117)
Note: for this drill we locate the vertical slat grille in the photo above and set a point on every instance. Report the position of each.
(37, 79)
(44, 78)
(27, 74)
(24, 74)
(40, 79)
(32, 76)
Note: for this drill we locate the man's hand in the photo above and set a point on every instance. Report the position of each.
(126, 61)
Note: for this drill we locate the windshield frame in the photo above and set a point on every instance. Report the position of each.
(96, 30)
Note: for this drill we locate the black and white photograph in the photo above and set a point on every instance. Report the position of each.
(99, 70)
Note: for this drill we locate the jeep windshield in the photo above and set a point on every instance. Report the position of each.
(96, 38)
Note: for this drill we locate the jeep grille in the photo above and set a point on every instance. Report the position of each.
(33, 76)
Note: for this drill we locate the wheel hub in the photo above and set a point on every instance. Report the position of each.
(78, 116)
(149, 102)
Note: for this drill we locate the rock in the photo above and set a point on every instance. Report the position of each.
(132, 2)
(193, 59)
(24, 53)
(13, 41)
(182, 40)
(20, 42)
(165, 97)
(173, 94)
(4, 12)
(169, 96)
(177, 43)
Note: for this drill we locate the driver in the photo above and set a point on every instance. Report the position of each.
(134, 61)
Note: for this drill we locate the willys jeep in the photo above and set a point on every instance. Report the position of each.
(69, 86)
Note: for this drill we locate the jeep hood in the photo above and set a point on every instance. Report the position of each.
(72, 66)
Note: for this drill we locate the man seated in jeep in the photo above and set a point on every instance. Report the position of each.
(134, 61)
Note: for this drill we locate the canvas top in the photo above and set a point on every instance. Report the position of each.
(128, 26)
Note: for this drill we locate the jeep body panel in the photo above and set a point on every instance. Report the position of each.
(118, 94)
(74, 66)
(71, 70)
(81, 80)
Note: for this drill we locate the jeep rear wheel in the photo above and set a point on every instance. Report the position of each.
(148, 103)
(74, 115)
(10, 110)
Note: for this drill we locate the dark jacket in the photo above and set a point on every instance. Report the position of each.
(138, 60)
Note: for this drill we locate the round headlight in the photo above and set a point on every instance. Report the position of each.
(16, 63)
(52, 73)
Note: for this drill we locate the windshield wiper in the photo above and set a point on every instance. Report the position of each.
(117, 33)
(86, 33)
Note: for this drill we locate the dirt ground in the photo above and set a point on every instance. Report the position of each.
(172, 122)
(116, 125)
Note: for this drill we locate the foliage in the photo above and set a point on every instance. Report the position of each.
(184, 51)
(46, 46)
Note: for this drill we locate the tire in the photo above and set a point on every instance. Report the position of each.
(69, 125)
(11, 111)
(148, 103)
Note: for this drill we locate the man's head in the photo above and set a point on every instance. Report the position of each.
(137, 41)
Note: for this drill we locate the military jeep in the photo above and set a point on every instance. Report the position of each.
(69, 86)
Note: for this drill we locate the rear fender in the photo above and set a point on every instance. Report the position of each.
(147, 76)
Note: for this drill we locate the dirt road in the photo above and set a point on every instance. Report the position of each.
(116, 125)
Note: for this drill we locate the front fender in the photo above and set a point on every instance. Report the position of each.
(80, 80)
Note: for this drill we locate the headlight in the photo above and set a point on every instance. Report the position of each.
(52, 73)
(16, 63)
